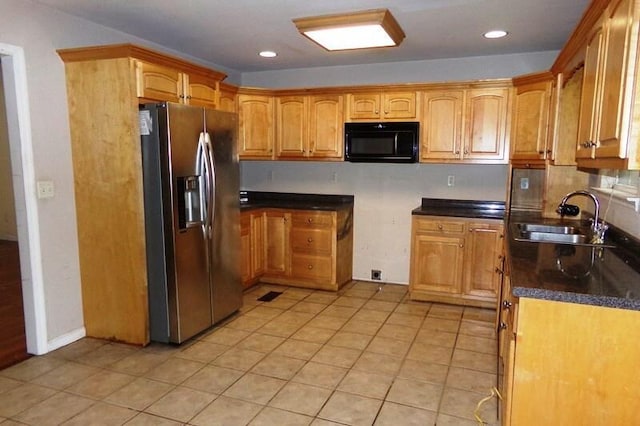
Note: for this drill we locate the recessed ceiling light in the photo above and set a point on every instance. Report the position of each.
(495, 34)
(268, 54)
(357, 30)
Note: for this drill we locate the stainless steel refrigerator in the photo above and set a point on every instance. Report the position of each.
(192, 218)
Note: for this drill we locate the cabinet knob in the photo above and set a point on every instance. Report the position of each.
(499, 271)
(548, 151)
(310, 220)
(466, 151)
(309, 240)
(461, 245)
(439, 226)
(541, 152)
(457, 152)
(506, 304)
(502, 326)
(310, 267)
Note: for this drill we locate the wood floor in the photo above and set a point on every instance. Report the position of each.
(13, 346)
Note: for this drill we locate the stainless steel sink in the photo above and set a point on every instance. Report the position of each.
(559, 234)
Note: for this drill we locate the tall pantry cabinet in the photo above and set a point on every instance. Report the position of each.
(104, 87)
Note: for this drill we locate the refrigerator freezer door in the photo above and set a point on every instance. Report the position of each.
(190, 252)
(226, 290)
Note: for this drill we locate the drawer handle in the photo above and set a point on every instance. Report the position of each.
(309, 240)
(461, 245)
(310, 220)
(310, 267)
(439, 226)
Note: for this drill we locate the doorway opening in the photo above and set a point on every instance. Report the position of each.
(20, 148)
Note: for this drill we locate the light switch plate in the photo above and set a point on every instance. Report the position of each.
(45, 189)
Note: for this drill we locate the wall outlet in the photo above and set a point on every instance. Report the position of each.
(451, 180)
(524, 183)
(45, 189)
(376, 274)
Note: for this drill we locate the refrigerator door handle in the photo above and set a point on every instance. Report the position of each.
(212, 182)
(202, 170)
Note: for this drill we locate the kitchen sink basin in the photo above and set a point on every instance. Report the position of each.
(559, 234)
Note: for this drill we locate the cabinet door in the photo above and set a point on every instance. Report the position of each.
(201, 91)
(291, 126)
(486, 124)
(441, 125)
(255, 116)
(399, 105)
(483, 260)
(158, 83)
(257, 244)
(326, 127)
(614, 70)
(226, 101)
(245, 249)
(589, 103)
(364, 106)
(437, 263)
(530, 119)
(278, 260)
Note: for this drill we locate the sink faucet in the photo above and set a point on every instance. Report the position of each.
(598, 228)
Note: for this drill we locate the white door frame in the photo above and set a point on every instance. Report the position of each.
(14, 72)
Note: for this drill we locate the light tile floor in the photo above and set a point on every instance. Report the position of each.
(363, 356)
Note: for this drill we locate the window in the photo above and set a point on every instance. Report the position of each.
(622, 185)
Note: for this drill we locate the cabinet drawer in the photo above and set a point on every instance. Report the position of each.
(312, 219)
(438, 226)
(311, 267)
(311, 240)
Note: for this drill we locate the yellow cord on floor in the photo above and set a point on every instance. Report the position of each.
(476, 412)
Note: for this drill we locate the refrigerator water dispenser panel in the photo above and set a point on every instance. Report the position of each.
(189, 202)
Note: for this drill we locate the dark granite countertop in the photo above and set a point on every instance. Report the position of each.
(255, 199)
(460, 208)
(600, 276)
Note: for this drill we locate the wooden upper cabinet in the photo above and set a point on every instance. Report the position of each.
(486, 116)
(397, 105)
(309, 127)
(441, 132)
(200, 91)
(159, 83)
(609, 124)
(465, 125)
(162, 83)
(589, 105)
(326, 126)
(292, 114)
(530, 119)
(227, 98)
(256, 135)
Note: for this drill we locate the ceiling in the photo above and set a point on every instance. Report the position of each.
(230, 33)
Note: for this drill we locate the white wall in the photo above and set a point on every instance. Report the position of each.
(40, 30)
(384, 196)
(438, 70)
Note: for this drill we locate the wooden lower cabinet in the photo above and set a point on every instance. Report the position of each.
(252, 237)
(456, 260)
(303, 248)
(572, 364)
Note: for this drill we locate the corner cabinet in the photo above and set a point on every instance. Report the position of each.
(609, 125)
(109, 82)
(465, 125)
(257, 131)
(252, 237)
(456, 260)
(530, 142)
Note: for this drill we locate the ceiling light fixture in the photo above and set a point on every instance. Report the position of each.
(495, 34)
(357, 30)
(268, 54)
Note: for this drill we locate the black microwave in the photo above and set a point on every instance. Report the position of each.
(390, 142)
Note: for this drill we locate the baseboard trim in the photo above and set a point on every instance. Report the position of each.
(66, 338)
